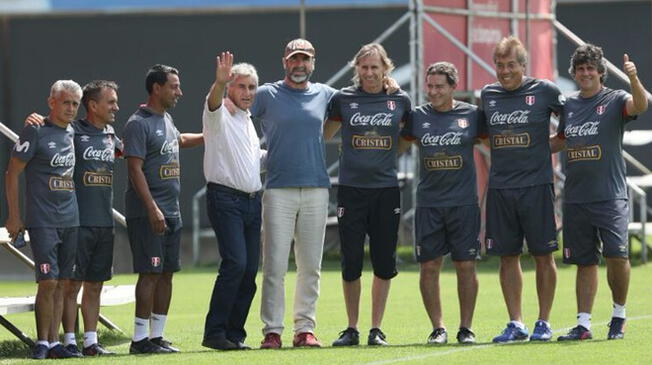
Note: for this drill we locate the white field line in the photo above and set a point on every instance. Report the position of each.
(478, 347)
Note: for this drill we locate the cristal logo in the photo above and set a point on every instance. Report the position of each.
(67, 160)
(106, 154)
(170, 147)
(515, 117)
(586, 129)
(446, 139)
(378, 119)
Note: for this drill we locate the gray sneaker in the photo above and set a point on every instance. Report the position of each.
(438, 337)
(376, 338)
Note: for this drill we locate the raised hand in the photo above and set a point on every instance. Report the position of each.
(629, 67)
(223, 70)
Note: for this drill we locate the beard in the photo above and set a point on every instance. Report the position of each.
(299, 79)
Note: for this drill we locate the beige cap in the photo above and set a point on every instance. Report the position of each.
(299, 46)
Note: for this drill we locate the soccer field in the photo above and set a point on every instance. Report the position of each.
(406, 324)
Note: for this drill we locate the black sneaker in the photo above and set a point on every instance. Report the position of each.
(160, 341)
(465, 336)
(145, 346)
(60, 352)
(616, 329)
(96, 350)
(438, 337)
(577, 333)
(73, 349)
(376, 338)
(40, 352)
(348, 337)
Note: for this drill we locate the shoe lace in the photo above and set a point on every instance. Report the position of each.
(465, 332)
(350, 331)
(273, 337)
(437, 332)
(378, 332)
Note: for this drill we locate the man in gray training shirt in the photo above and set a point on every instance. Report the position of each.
(520, 195)
(595, 192)
(368, 196)
(46, 153)
(447, 218)
(152, 205)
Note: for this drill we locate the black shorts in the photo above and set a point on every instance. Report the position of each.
(54, 251)
(375, 212)
(153, 253)
(94, 254)
(514, 214)
(588, 224)
(443, 230)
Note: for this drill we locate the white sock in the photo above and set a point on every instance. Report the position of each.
(157, 324)
(41, 342)
(619, 311)
(545, 322)
(141, 328)
(584, 320)
(90, 338)
(518, 324)
(69, 339)
(53, 344)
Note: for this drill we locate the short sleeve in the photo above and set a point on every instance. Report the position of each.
(27, 144)
(135, 140)
(211, 120)
(557, 99)
(406, 131)
(334, 110)
(257, 109)
(622, 98)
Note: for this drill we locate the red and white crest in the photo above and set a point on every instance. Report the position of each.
(156, 261)
(490, 243)
(45, 268)
(391, 104)
(340, 212)
(529, 99)
(462, 123)
(567, 252)
(600, 109)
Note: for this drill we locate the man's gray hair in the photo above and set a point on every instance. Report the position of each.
(65, 85)
(244, 69)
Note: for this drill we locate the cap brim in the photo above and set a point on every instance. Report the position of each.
(297, 52)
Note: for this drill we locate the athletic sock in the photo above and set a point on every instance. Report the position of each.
(518, 324)
(53, 344)
(619, 311)
(584, 320)
(41, 342)
(90, 338)
(141, 328)
(157, 325)
(545, 322)
(69, 339)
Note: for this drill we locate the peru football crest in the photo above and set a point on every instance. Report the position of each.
(340, 212)
(156, 261)
(529, 100)
(600, 109)
(391, 104)
(45, 268)
(462, 123)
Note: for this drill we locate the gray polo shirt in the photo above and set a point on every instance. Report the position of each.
(49, 153)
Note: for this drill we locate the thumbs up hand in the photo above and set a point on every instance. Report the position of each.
(628, 66)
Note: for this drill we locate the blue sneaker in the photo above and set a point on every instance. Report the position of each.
(512, 333)
(616, 329)
(542, 332)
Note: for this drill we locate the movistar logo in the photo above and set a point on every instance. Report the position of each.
(21, 147)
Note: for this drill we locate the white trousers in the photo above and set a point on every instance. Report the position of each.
(288, 213)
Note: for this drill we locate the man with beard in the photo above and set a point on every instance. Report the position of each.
(295, 202)
(46, 154)
(152, 205)
(368, 197)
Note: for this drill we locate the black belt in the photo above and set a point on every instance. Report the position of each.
(232, 190)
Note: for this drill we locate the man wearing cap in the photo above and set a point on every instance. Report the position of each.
(295, 202)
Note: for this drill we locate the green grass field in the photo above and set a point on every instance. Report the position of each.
(405, 323)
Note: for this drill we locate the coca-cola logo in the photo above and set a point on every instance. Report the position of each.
(170, 147)
(446, 139)
(105, 155)
(586, 129)
(376, 120)
(59, 160)
(515, 117)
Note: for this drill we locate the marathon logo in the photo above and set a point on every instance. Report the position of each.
(586, 153)
(58, 183)
(372, 142)
(511, 140)
(171, 171)
(98, 178)
(443, 163)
